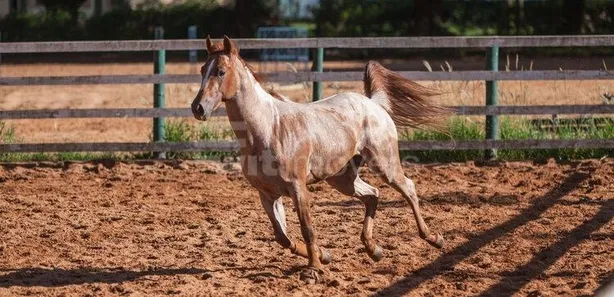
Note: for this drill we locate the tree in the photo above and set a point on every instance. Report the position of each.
(573, 16)
(243, 12)
(70, 6)
(249, 14)
(426, 17)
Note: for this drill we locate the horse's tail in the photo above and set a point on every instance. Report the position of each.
(406, 101)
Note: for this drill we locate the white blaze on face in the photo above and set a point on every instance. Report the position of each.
(208, 72)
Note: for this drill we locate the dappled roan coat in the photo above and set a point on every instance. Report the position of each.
(286, 145)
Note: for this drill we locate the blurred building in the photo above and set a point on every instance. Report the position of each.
(296, 9)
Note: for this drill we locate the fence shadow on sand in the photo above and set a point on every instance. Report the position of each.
(522, 275)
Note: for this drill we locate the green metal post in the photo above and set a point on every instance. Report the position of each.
(159, 65)
(318, 66)
(492, 99)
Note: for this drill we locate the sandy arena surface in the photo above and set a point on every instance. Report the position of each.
(197, 229)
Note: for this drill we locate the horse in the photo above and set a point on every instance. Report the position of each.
(285, 146)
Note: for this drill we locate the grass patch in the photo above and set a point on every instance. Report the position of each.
(511, 128)
(63, 156)
(182, 131)
(8, 136)
(7, 133)
(458, 128)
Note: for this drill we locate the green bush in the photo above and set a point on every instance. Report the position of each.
(437, 17)
(125, 23)
(44, 27)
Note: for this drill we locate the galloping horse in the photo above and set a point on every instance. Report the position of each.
(286, 145)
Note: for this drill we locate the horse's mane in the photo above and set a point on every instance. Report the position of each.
(259, 78)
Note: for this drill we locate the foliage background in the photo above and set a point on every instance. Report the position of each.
(241, 18)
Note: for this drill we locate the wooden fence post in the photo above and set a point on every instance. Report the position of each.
(159, 65)
(318, 66)
(492, 98)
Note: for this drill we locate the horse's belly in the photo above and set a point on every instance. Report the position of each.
(325, 166)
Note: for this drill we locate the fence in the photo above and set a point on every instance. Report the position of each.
(492, 75)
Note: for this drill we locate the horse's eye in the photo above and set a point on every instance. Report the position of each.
(221, 72)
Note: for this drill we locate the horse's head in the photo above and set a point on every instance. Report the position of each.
(220, 79)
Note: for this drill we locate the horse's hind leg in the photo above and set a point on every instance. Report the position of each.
(274, 208)
(386, 164)
(396, 178)
(369, 196)
(349, 183)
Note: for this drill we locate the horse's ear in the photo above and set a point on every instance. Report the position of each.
(209, 45)
(229, 46)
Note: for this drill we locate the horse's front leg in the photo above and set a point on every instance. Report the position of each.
(301, 201)
(274, 208)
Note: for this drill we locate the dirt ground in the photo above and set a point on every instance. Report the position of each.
(197, 229)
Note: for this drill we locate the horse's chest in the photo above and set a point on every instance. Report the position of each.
(269, 185)
(263, 177)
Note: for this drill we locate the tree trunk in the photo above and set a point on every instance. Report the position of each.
(243, 13)
(519, 16)
(573, 16)
(426, 17)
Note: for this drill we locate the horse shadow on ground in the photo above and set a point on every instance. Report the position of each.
(357, 204)
(461, 198)
(57, 277)
(514, 281)
(285, 272)
(447, 198)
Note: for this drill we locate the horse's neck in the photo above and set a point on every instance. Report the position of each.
(253, 115)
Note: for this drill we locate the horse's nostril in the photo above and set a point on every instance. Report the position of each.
(200, 110)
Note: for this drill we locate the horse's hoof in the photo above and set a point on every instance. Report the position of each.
(377, 254)
(311, 276)
(325, 257)
(438, 242)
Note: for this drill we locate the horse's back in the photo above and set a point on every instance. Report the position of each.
(343, 117)
(375, 128)
(352, 103)
(351, 110)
